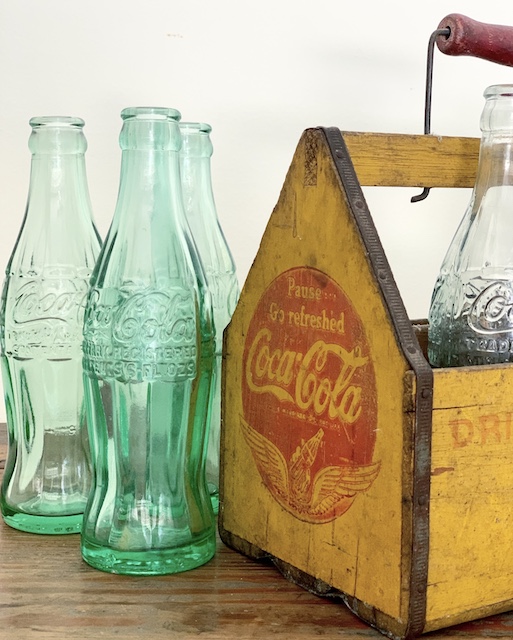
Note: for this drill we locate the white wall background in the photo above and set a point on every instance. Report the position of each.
(259, 73)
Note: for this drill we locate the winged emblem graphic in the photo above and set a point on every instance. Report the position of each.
(322, 498)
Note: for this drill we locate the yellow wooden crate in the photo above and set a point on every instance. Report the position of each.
(346, 459)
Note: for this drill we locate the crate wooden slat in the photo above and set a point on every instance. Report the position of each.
(390, 160)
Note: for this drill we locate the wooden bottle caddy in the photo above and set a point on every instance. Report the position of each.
(360, 471)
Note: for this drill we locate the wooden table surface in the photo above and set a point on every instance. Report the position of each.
(47, 591)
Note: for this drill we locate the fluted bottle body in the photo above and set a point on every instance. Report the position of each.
(47, 476)
(148, 348)
(218, 264)
(471, 317)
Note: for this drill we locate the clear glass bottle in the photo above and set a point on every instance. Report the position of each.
(218, 264)
(47, 474)
(148, 349)
(471, 314)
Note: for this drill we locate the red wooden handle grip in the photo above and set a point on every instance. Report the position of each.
(493, 42)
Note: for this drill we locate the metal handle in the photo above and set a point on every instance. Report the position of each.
(493, 42)
(429, 90)
(458, 35)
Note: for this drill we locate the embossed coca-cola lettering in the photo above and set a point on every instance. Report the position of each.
(150, 335)
(54, 300)
(155, 317)
(45, 319)
(146, 318)
(492, 310)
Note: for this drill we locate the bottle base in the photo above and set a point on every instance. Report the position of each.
(149, 562)
(46, 525)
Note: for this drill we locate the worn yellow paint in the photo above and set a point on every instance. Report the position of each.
(390, 160)
(471, 515)
(310, 226)
(366, 552)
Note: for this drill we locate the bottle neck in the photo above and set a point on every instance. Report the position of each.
(197, 187)
(146, 246)
(149, 193)
(146, 241)
(496, 150)
(58, 182)
(58, 228)
(58, 185)
(495, 164)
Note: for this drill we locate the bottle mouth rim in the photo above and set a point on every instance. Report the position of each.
(56, 121)
(151, 113)
(505, 90)
(195, 127)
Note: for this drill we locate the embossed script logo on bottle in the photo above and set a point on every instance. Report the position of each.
(45, 315)
(309, 396)
(492, 310)
(144, 335)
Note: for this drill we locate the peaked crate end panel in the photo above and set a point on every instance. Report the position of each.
(317, 459)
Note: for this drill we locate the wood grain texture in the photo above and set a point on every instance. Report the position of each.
(400, 160)
(362, 552)
(48, 593)
(471, 567)
(341, 550)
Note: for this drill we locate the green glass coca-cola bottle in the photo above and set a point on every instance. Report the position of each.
(47, 474)
(218, 263)
(148, 349)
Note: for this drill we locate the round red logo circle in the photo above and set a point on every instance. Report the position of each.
(309, 396)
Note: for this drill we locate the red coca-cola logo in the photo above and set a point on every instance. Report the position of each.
(309, 396)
